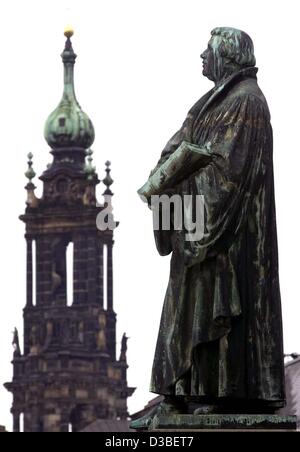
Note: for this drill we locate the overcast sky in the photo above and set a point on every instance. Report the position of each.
(137, 73)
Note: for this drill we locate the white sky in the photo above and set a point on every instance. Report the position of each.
(138, 72)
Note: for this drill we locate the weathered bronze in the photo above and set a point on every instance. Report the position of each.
(220, 338)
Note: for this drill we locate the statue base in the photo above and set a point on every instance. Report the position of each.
(222, 422)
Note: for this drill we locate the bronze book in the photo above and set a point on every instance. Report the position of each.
(183, 162)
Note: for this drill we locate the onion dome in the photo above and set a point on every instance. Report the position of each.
(68, 126)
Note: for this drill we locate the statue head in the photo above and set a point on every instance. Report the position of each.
(228, 51)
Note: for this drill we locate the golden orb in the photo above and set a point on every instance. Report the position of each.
(69, 31)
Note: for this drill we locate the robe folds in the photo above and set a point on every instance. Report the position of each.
(221, 333)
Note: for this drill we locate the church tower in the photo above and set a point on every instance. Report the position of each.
(68, 375)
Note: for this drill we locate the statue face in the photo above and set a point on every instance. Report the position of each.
(217, 67)
(212, 60)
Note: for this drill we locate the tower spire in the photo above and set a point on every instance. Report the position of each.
(68, 127)
(69, 57)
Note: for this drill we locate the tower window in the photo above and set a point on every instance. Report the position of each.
(62, 185)
(22, 423)
(62, 122)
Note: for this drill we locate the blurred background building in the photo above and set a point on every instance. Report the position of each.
(67, 376)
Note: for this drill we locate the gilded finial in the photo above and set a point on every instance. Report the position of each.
(68, 31)
(68, 126)
(30, 173)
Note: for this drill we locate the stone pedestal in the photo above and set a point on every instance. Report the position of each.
(223, 422)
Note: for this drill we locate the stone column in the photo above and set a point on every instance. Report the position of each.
(109, 285)
(16, 422)
(99, 278)
(29, 301)
(65, 421)
(91, 269)
(80, 269)
(44, 268)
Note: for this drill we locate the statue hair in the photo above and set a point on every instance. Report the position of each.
(236, 46)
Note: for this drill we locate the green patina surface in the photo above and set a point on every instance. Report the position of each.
(224, 421)
(220, 336)
(68, 125)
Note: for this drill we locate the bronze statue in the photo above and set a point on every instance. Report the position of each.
(124, 343)
(16, 343)
(220, 337)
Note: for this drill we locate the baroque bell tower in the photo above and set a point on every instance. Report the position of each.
(68, 375)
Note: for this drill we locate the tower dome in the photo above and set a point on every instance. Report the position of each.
(68, 126)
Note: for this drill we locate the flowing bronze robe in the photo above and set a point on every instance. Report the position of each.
(221, 334)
